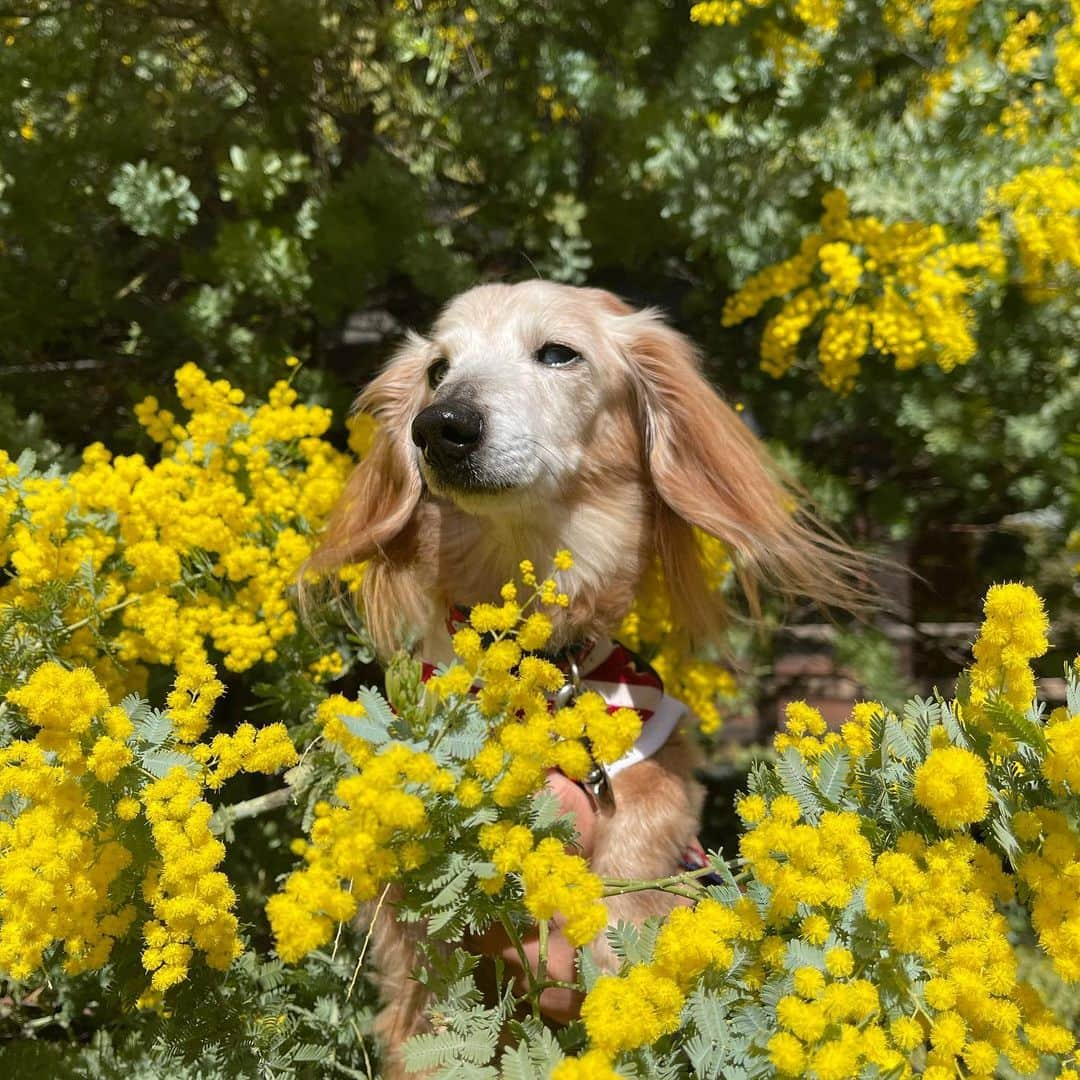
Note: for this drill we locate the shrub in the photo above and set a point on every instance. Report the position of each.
(888, 877)
(232, 182)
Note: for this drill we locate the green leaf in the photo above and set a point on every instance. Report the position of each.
(1005, 837)
(954, 729)
(802, 954)
(448, 1048)
(544, 810)
(152, 726)
(154, 201)
(709, 1013)
(1003, 717)
(376, 723)
(453, 889)
(160, 763)
(588, 968)
(366, 728)
(534, 1057)
(795, 780)
(310, 1052)
(895, 742)
(1072, 690)
(831, 780)
(465, 741)
(460, 1070)
(753, 1022)
(255, 178)
(629, 942)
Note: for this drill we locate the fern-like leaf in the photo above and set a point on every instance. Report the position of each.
(831, 780)
(795, 779)
(1003, 717)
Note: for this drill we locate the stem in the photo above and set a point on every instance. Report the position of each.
(363, 1047)
(224, 816)
(439, 735)
(367, 941)
(307, 749)
(672, 884)
(541, 960)
(560, 984)
(340, 927)
(102, 613)
(673, 879)
(643, 886)
(526, 967)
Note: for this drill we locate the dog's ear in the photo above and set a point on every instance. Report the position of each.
(384, 488)
(711, 473)
(381, 496)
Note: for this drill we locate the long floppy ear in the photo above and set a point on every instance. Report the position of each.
(372, 516)
(710, 472)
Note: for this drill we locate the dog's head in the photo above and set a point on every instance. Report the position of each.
(562, 415)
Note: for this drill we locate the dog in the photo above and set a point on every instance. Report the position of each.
(537, 417)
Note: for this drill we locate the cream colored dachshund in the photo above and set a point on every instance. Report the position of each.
(537, 417)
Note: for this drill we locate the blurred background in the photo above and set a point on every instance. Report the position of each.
(238, 181)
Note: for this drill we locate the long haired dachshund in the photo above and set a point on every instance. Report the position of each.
(537, 417)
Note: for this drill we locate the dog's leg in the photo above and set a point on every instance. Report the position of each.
(396, 954)
(657, 816)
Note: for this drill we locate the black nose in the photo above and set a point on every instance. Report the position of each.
(448, 431)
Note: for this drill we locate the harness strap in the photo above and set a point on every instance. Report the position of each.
(625, 681)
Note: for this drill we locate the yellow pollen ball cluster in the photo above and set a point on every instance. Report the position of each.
(191, 899)
(938, 903)
(652, 629)
(622, 1013)
(373, 833)
(951, 784)
(557, 883)
(1043, 204)
(240, 492)
(1051, 869)
(154, 564)
(513, 686)
(58, 864)
(267, 750)
(62, 704)
(633, 1010)
(1013, 634)
(62, 856)
(822, 15)
(1061, 766)
(816, 866)
(915, 290)
(805, 730)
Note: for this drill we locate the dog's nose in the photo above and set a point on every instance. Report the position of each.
(448, 431)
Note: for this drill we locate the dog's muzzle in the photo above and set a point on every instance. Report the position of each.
(447, 433)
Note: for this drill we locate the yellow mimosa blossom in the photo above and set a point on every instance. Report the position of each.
(1012, 635)
(951, 784)
(916, 307)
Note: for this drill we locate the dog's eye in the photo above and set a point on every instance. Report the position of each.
(437, 372)
(552, 355)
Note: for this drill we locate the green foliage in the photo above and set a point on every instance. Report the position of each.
(234, 181)
(260, 1019)
(255, 179)
(154, 202)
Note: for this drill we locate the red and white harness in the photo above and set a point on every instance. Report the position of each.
(625, 681)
